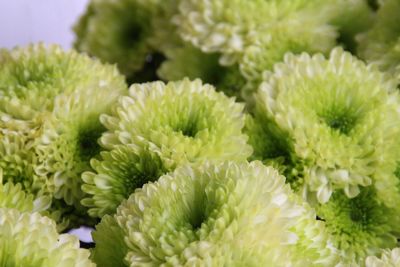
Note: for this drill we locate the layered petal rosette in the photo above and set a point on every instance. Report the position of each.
(313, 118)
(28, 239)
(180, 122)
(212, 215)
(381, 44)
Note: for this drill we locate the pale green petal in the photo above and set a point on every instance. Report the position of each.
(389, 258)
(110, 247)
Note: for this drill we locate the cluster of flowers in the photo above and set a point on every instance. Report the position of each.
(264, 145)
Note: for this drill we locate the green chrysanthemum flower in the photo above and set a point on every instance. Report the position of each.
(118, 173)
(389, 258)
(361, 226)
(69, 139)
(213, 215)
(313, 117)
(187, 61)
(180, 122)
(212, 27)
(119, 32)
(31, 77)
(381, 44)
(31, 240)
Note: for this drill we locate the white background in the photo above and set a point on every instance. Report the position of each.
(50, 21)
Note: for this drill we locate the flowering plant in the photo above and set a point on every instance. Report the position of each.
(206, 133)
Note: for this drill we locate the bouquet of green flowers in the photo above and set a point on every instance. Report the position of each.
(206, 133)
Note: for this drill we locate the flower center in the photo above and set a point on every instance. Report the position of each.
(150, 172)
(373, 4)
(131, 34)
(197, 208)
(190, 130)
(397, 171)
(343, 213)
(358, 215)
(342, 122)
(87, 142)
(197, 218)
(188, 127)
(359, 210)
